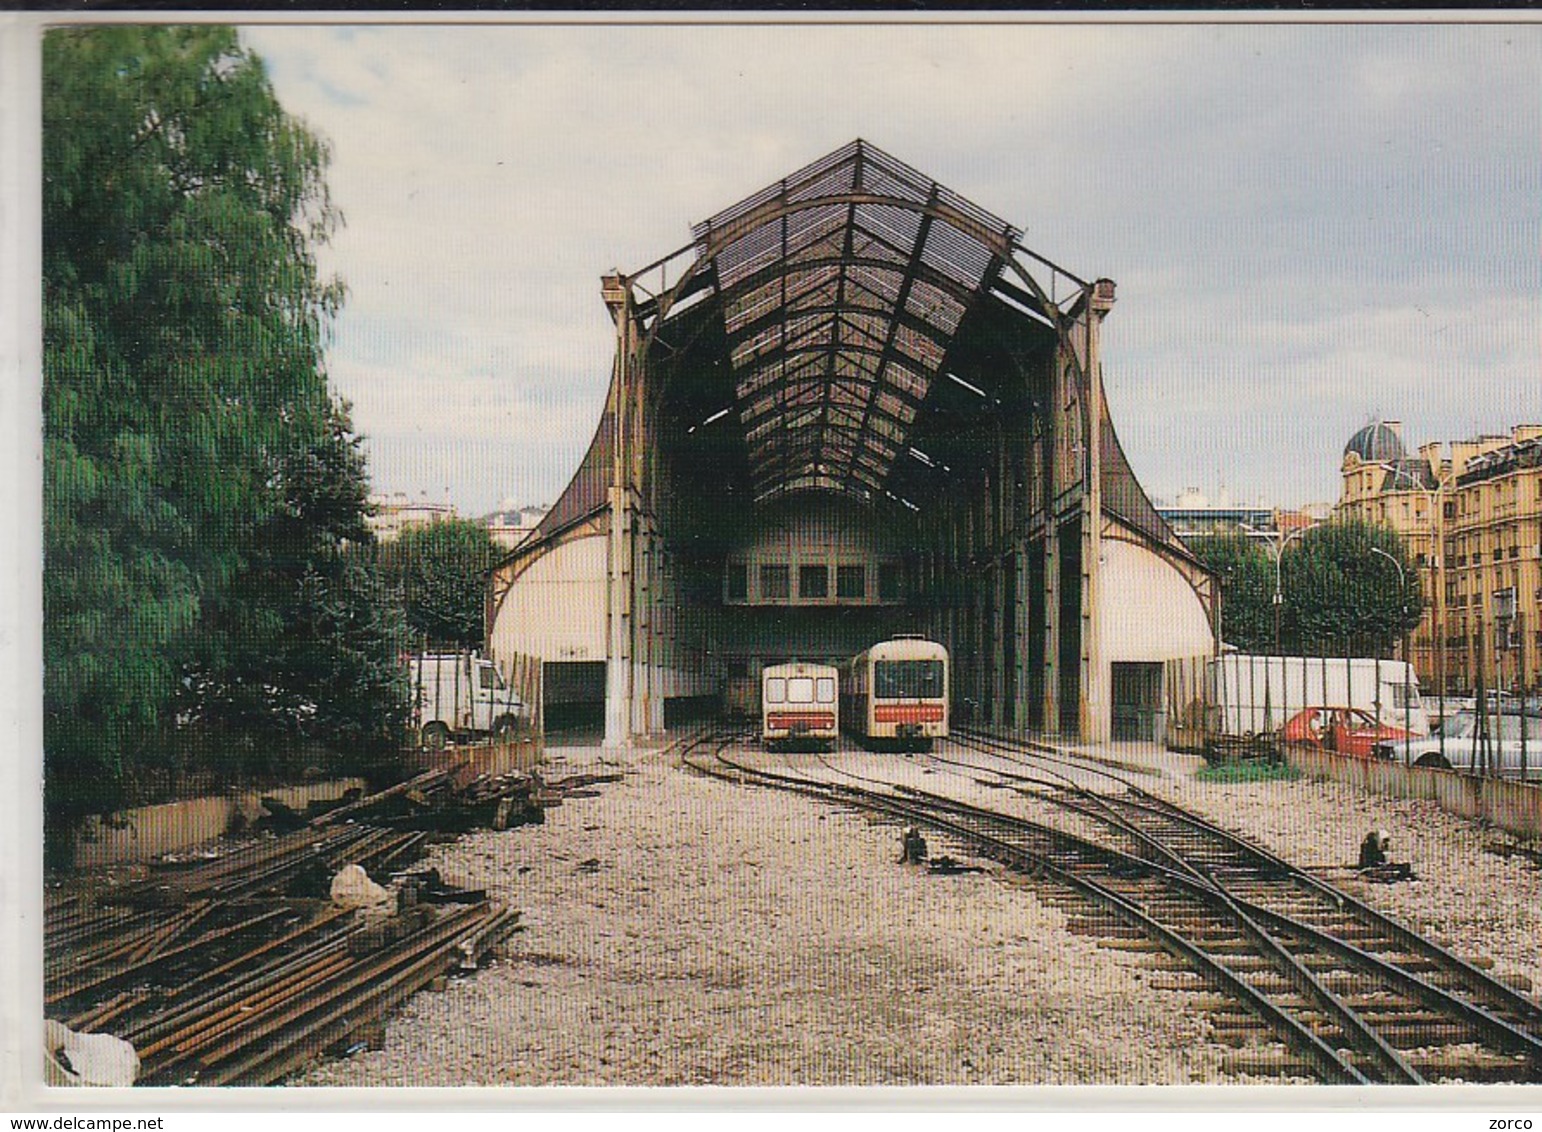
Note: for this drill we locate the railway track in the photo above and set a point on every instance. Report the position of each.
(1318, 983)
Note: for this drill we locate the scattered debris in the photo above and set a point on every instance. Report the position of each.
(449, 799)
(1373, 850)
(75, 1059)
(1374, 865)
(949, 866)
(1508, 851)
(352, 888)
(912, 847)
(237, 964)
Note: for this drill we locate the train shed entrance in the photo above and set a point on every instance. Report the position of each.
(855, 405)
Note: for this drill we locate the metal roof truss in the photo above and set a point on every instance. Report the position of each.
(841, 289)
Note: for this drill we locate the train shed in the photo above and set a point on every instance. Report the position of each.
(855, 405)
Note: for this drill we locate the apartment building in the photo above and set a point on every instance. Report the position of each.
(1470, 512)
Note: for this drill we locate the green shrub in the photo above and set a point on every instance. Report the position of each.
(1250, 770)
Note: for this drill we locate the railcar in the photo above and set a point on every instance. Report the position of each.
(799, 703)
(897, 693)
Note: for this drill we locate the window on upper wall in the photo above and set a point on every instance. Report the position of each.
(813, 581)
(851, 581)
(889, 581)
(775, 583)
(738, 581)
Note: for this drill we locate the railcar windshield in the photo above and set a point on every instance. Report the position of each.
(800, 690)
(907, 679)
(776, 690)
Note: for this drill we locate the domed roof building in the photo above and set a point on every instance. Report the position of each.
(1379, 442)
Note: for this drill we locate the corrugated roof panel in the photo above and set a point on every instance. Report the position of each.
(897, 226)
(841, 179)
(890, 179)
(751, 305)
(881, 283)
(921, 348)
(766, 340)
(856, 335)
(841, 324)
(934, 306)
(959, 257)
(864, 366)
(906, 379)
(864, 245)
(813, 226)
(894, 406)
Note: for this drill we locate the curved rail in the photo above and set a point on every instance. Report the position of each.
(1216, 901)
(1231, 858)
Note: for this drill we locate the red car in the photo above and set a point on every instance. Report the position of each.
(1347, 730)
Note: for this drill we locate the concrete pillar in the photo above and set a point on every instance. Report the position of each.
(618, 660)
(1095, 714)
(1051, 685)
(1021, 710)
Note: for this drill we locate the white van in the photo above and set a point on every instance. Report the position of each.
(1256, 695)
(460, 695)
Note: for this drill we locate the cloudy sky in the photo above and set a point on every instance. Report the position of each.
(1310, 225)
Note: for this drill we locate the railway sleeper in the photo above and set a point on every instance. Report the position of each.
(1233, 1029)
(1269, 1062)
(1344, 984)
(1472, 1067)
(1109, 925)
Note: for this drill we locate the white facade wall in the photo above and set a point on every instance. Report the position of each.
(1146, 610)
(556, 608)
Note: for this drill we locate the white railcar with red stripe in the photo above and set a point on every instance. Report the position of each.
(897, 692)
(799, 702)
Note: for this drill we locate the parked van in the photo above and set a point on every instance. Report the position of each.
(459, 695)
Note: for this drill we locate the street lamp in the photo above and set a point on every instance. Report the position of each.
(1279, 546)
(1402, 591)
(1278, 543)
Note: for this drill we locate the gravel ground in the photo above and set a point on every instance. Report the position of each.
(685, 931)
(1471, 894)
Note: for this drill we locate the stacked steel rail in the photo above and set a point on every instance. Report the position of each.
(235, 970)
(1351, 996)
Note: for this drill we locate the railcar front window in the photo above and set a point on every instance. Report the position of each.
(800, 689)
(907, 679)
(826, 690)
(776, 690)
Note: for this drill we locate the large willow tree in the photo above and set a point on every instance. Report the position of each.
(200, 481)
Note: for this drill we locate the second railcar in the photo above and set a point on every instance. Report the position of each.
(799, 703)
(897, 692)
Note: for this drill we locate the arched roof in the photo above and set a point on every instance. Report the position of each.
(854, 328)
(841, 288)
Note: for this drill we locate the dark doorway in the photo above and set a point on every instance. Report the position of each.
(1137, 701)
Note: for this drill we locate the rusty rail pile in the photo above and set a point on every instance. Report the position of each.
(236, 969)
(449, 799)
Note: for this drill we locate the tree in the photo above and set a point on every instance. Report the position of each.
(1343, 596)
(440, 573)
(307, 645)
(1246, 574)
(189, 435)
